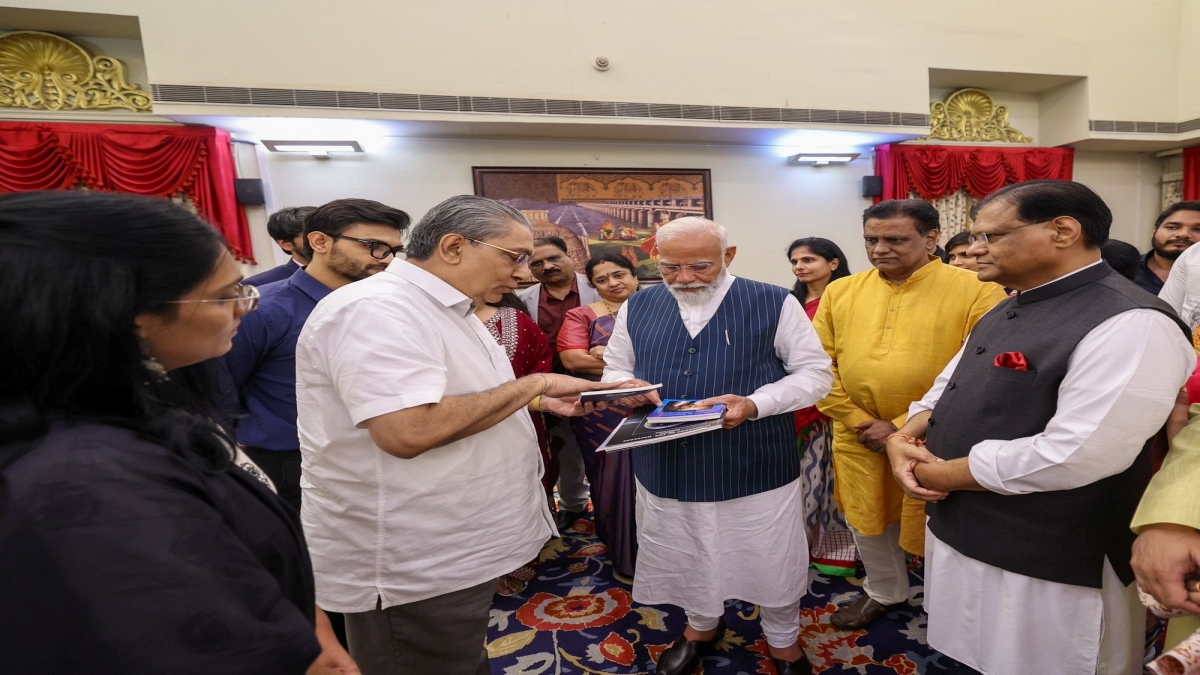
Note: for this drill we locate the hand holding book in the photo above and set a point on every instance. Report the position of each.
(738, 409)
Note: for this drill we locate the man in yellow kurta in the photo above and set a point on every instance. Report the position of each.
(890, 331)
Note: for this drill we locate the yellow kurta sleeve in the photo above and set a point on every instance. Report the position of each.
(1174, 493)
(837, 404)
(990, 295)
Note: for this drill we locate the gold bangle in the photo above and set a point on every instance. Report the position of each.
(536, 403)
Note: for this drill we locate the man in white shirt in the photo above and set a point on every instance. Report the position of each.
(421, 471)
(720, 515)
(1037, 451)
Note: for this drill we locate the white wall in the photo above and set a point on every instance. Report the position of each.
(764, 202)
(1189, 61)
(864, 55)
(1130, 185)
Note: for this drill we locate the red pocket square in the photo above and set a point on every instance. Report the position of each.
(1014, 360)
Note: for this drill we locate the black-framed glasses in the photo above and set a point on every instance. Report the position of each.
(378, 249)
(246, 299)
(987, 237)
(519, 259)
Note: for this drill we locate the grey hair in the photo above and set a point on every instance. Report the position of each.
(690, 227)
(471, 216)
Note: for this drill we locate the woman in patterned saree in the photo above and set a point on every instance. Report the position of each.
(528, 350)
(815, 263)
(581, 345)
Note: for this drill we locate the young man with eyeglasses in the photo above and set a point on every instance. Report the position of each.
(347, 240)
(560, 289)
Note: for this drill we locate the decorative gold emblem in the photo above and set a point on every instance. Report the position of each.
(40, 71)
(972, 115)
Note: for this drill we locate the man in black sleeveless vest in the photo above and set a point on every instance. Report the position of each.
(720, 515)
(1036, 436)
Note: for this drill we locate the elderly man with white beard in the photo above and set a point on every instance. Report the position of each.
(720, 515)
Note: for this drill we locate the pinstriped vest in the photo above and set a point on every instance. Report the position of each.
(733, 354)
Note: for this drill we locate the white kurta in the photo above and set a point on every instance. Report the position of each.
(698, 554)
(1120, 385)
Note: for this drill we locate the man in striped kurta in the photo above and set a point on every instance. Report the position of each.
(720, 515)
(890, 331)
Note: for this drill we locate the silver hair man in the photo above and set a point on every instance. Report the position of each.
(473, 217)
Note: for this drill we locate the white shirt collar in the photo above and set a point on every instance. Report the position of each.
(432, 284)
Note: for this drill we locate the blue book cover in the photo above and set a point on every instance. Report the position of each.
(676, 411)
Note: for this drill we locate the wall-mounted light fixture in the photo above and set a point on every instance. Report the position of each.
(317, 149)
(823, 158)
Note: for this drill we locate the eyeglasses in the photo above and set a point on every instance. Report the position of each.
(987, 237)
(673, 269)
(246, 299)
(519, 259)
(378, 249)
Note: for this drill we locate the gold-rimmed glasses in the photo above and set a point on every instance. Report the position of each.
(246, 299)
(519, 259)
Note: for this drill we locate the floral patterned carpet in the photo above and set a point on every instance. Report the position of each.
(576, 618)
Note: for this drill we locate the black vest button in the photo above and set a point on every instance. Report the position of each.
(979, 350)
(950, 386)
(687, 373)
(932, 421)
(1009, 314)
(691, 350)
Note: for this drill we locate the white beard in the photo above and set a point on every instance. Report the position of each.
(703, 292)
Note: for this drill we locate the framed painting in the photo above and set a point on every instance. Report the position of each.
(599, 211)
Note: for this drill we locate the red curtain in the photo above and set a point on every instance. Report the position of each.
(157, 161)
(1191, 173)
(935, 171)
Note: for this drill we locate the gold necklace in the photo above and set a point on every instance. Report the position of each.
(607, 306)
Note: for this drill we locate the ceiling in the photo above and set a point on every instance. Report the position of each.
(1018, 83)
(71, 23)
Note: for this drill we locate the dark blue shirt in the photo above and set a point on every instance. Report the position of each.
(1146, 277)
(274, 274)
(262, 363)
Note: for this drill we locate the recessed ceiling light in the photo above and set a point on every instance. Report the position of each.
(315, 148)
(823, 158)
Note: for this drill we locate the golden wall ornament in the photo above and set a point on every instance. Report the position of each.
(41, 71)
(972, 115)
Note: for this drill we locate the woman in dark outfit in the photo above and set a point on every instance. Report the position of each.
(130, 541)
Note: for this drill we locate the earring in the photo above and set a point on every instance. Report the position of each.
(151, 364)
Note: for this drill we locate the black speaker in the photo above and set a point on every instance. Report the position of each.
(249, 191)
(872, 186)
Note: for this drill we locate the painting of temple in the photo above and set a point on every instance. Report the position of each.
(598, 211)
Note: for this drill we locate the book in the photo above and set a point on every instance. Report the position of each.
(675, 410)
(616, 394)
(633, 431)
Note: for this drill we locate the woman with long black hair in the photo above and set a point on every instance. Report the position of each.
(130, 540)
(816, 263)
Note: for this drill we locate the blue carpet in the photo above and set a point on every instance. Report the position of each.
(576, 618)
